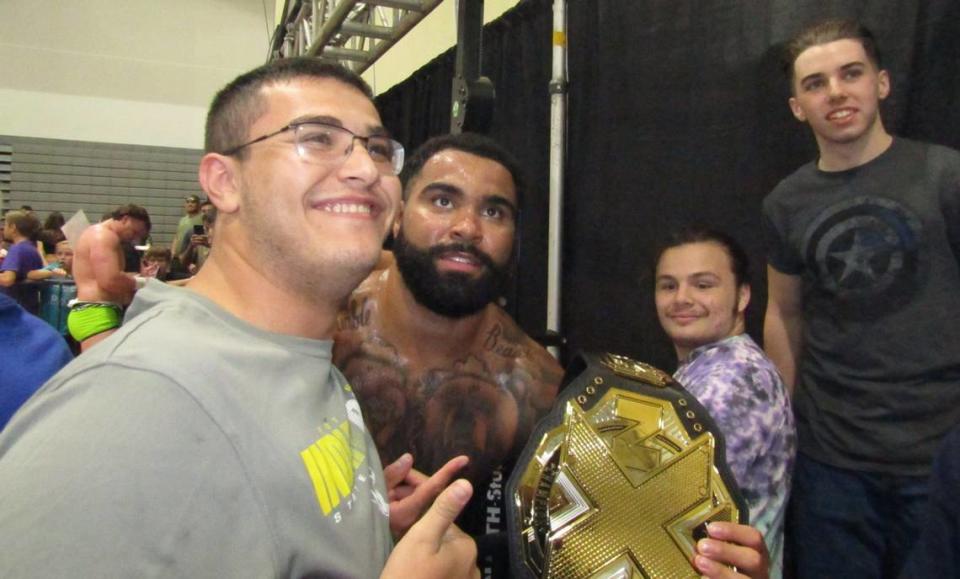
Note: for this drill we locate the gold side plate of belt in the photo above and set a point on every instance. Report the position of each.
(620, 479)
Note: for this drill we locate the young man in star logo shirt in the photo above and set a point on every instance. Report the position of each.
(863, 277)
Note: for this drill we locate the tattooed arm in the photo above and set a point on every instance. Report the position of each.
(535, 374)
(376, 372)
(485, 404)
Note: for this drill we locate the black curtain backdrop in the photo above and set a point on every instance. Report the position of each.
(677, 114)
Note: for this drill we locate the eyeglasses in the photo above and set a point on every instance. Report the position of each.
(321, 143)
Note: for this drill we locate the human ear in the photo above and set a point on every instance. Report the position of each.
(796, 110)
(397, 218)
(883, 84)
(218, 178)
(743, 298)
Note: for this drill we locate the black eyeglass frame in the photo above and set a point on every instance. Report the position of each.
(397, 146)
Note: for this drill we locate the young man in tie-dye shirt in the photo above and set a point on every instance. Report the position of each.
(702, 292)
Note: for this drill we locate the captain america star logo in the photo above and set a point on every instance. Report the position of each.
(865, 252)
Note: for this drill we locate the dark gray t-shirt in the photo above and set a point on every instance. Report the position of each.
(191, 444)
(877, 250)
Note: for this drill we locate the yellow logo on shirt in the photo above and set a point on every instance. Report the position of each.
(331, 462)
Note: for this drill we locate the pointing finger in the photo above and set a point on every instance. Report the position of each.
(439, 518)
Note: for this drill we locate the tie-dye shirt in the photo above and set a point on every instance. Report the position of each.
(741, 388)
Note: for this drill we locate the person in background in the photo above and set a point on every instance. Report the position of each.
(937, 550)
(58, 291)
(131, 255)
(198, 248)
(47, 246)
(54, 222)
(702, 290)
(61, 266)
(64, 257)
(191, 217)
(103, 287)
(30, 353)
(156, 263)
(50, 235)
(863, 249)
(22, 257)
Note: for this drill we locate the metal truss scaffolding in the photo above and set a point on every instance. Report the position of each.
(350, 32)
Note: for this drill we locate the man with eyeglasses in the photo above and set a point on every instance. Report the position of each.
(211, 436)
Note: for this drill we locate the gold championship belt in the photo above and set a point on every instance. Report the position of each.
(619, 479)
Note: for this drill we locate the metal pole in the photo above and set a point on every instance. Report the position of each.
(471, 108)
(558, 125)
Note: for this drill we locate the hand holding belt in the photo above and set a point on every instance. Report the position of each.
(619, 479)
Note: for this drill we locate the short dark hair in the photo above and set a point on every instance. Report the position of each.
(49, 238)
(239, 104)
(739, 262)
(133, 212)
(54, 220)
(473, 143)
(26, 223)
(826, 31)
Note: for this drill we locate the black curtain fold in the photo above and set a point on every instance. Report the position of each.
(677, 114)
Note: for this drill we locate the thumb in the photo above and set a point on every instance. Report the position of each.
(395, 472)
(438, 519)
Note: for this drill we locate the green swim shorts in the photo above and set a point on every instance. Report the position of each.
(87, 319)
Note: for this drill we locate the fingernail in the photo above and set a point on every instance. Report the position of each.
(715, 531)
(703, 564)
(707, 547)
(405, 458)
(461, 490)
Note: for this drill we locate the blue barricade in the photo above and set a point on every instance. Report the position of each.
(54, 296)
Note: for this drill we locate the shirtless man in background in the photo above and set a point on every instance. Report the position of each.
(103, 288)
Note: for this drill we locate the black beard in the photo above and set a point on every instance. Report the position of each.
(450, 294)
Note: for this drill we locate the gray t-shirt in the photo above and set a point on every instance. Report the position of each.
(876, 248)
(191, 444)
